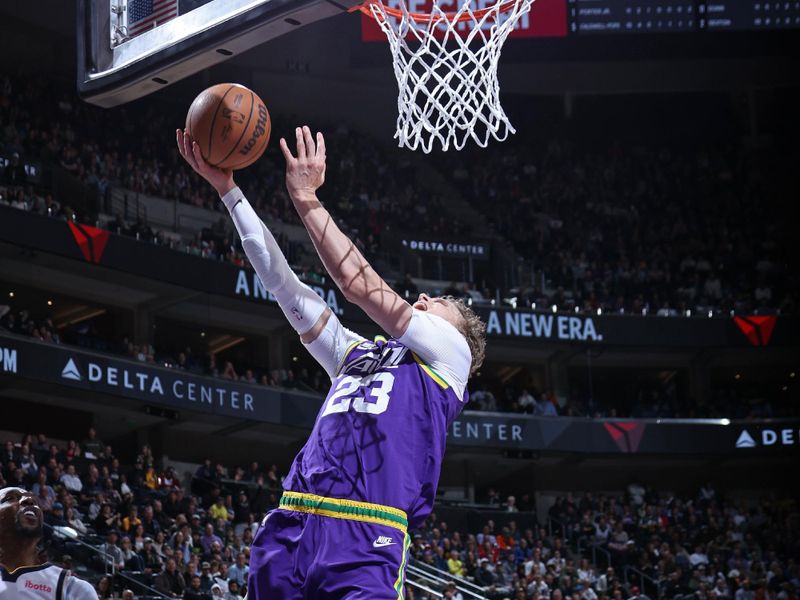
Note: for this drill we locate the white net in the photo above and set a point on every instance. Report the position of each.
(446, 70)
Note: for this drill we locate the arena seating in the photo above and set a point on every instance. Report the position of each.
(593, 220)
(639, 543)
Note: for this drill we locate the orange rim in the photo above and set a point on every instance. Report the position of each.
(427, 17)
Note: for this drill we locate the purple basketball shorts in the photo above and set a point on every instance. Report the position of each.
(328, 549)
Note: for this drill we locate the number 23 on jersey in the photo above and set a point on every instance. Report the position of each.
(367, 394)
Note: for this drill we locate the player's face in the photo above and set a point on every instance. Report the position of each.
(19, 510)
(440, 307)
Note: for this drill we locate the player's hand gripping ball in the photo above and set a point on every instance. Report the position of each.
(230, 124)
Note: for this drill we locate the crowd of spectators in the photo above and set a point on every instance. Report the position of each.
(184, 538)
(639, 229)
(700, 546)
(188, 535)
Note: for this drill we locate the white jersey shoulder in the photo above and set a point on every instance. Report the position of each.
(441, 346)
(43, 582)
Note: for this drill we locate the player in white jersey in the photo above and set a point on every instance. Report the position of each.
(22, 576)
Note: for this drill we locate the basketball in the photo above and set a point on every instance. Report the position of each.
(231, 125)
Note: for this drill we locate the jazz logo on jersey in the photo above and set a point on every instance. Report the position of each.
(382, 541)
(369, 362)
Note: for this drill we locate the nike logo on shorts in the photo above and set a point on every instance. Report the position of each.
(382, 541)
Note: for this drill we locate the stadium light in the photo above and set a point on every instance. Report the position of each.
(49, 303)
(533, 305)
(10, 294)
(688, 312)
(555, 308)
(710, 313)
(599, 311)
(577, 309)
(725, 421)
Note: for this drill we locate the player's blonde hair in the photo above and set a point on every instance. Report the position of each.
(474, 330)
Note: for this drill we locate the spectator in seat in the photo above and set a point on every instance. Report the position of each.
(484, 577)
(161, 517)
(195, 591)
(112, 551)
(133, 562)
(152, 561)
(239, 571)
(131, 521)
(216, 592)
(511, 504)
(545, 408)
(92, 447)
(170, 582)
(636, 594)
(44, 494)
(151, 526)
(107, 520)
(74, 520)
(71, 480)
(104, 588)
(206, 578)
(208, 538)
(14, 173)
(526, 402)
(454, 564)
(218, 509)
(233, 591)
(55, 518)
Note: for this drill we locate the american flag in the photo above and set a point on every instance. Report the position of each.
(145, 14)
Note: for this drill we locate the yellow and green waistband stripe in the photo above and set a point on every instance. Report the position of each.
(352, 510)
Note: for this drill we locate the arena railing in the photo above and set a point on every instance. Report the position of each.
(561, 527)
(595, 550)
(432, 574)
(425, 589)
(643, 578)
(71, 539)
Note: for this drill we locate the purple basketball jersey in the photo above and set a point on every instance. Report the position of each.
(380, 434)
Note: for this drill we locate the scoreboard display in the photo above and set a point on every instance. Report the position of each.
(589, 17)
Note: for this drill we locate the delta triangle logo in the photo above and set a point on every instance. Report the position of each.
(91, 241)
(627, 436)
(745, 440)
(757, 329)
(70, 371)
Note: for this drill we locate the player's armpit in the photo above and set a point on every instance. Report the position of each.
(331, 343)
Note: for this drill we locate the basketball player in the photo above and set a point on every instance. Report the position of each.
(22, 574)
(370, 467)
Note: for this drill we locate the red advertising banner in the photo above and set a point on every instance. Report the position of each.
(547, 18)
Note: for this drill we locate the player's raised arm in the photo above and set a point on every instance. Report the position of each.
(359, 282)
(306, 312)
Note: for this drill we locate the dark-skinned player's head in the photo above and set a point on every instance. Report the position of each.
(463, 318)
(20, 515)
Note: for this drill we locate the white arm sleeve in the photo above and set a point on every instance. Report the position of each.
(78, 589)
(332, 344)
(301, 305)
(441, 346)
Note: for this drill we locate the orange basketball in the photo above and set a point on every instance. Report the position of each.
(231, 125)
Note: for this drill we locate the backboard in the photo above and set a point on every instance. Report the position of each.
(130, 48)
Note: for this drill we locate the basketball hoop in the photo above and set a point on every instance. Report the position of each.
(445, 64)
